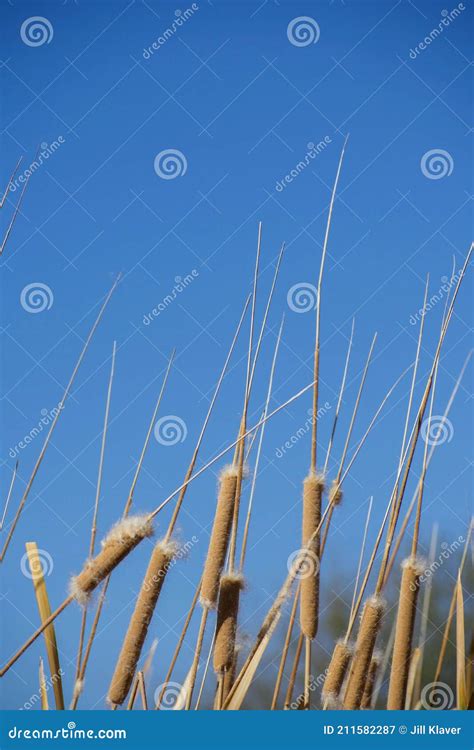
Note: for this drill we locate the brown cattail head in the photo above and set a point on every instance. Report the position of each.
(412, 569)
(219, 538)
(366, 702)
(369, 627)
(121, 539)
(226, 628)
(126, 665)
(313, 488)
(335, 494)
(340, 659)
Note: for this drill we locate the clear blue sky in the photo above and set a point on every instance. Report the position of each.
(241, 102)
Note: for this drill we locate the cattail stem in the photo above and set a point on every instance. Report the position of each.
(197, 656)
(368, 631)
(286, 646)
(294, 672)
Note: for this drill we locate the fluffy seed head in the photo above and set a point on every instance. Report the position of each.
(119, 542)
(337, 670)
(411, 570)
(369, 627)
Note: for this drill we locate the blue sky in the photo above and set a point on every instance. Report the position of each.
(231, 91)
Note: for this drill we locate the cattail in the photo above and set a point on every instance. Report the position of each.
(219, 538)
(312, 494)
(364, 648)
(141, 618)
(366, 701)
(340, 659)
(226, 628)
(121, 539)
(335, 494)
(412, 569)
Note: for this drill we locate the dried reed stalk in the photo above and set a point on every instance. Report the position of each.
(364, 647)
(96, 503)
(10, 490)
(462, 698)
(42, 600)
(43, 687)
(285, 649)
(447, 627)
